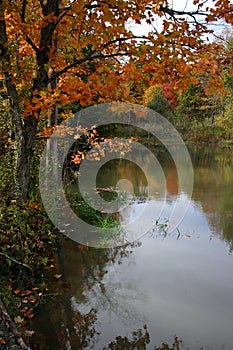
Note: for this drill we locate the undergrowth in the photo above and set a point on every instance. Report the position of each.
(26, 239)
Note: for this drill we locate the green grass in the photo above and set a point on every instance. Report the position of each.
(89, 214)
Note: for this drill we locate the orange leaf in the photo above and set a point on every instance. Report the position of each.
(17, 291)
(2, 341)
(24, 310)
(26, 293)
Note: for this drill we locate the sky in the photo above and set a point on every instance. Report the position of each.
(180, 5)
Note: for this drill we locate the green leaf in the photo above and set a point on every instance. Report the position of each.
(46, 67)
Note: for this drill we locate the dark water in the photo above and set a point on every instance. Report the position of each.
(163, 286)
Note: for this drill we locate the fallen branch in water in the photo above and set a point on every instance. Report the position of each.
(110, 190)
(6, 319)
(16, 261)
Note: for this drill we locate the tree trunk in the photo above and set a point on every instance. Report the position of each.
(25, 145)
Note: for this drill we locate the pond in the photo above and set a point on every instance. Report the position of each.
(164, 288)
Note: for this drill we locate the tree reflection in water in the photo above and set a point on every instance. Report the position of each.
(82, 269)
(140, 340)
(213, 188)
(69, 328)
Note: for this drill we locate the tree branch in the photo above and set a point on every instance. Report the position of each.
(123, 39)
(76, 63)
(174, 13)
(23, 10)
(94, 56)
(22, 16)
(62, 15)
(31, 43)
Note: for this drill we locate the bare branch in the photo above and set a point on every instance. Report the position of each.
(122, 40)
(201, 4)
(174, 13)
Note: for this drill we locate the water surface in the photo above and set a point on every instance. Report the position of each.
(161, 286)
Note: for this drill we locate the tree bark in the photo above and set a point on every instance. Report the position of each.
(25, 147)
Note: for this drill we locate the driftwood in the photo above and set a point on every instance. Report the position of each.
(11, 327)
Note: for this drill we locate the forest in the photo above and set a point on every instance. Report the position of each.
(59, 57)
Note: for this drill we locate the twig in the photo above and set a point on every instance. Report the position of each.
(16, 261)
(12, 325)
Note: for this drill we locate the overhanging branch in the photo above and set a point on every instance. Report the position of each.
(119, 40)
(173, 13)
(76, 63)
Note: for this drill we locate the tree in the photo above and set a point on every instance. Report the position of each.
(161, 99)
(56, 52)
(227, 65)
(209, 94)
(197, 105)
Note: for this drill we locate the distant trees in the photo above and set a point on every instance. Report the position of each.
(207, 96)
(162, 99)
(197, 105)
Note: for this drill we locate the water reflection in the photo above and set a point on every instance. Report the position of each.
(213, 189)
(72, 321)
(90, 301)
(139, 296)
